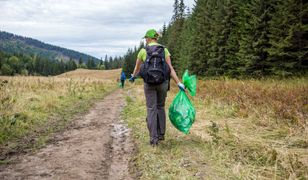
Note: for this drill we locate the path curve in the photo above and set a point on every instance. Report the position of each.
(94, 146)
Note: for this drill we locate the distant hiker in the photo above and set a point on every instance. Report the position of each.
(122, 78)
(154, 66)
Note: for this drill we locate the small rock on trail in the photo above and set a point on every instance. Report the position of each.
(95, 146)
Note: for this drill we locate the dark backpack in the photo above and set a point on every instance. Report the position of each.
(155, 70)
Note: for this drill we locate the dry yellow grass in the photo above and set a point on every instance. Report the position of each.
(112, 75)
(250, 129)
(29, 103)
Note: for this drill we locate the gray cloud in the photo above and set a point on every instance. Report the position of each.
(90, 26)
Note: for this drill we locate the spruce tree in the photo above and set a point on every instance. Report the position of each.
(288, 38)
(174, 31)
(231, 35)
(199, 52)
(175, 10)
(185, 46)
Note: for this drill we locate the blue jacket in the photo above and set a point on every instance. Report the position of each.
(123, 77)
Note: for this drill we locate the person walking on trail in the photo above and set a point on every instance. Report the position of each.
(154, 66)
(122, 78)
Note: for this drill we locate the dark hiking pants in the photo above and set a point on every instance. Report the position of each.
(122, 83)
(156, 117)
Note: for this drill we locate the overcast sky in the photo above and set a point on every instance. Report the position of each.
(95, 27)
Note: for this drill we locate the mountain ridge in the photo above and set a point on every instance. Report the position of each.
(16, 44)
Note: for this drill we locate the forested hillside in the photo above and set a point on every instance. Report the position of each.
(26, 56)
(12, 43)
(237, 38)
(32, 65)
(20, 64)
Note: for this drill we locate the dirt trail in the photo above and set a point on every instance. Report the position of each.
(95, 146)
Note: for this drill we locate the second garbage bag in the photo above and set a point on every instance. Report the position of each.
(182, 112)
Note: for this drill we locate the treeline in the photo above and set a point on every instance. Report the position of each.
(130, 59)
(238, 38)
(112, 62)
(106, 64)
(19, 64)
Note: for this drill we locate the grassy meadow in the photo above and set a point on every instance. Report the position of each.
(33, 107)
(244, 129)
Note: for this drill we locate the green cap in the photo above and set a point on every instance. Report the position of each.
(151, 34)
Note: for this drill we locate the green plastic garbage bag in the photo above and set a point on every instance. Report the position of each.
(182, 112)
(190, 83)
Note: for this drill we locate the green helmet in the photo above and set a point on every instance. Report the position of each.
(151, 33)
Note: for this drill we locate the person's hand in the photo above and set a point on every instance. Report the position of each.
(132, 78)
(181, 86)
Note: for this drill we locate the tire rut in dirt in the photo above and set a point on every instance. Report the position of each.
(94, 146)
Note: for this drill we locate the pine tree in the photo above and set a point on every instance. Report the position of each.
(288, 38)
(175, 10)
(130, 59)
(199, 52)
(163, 39)
(174, 31)
(110, 61)
(91, 64)
(217, 38)
(106, 64)
(181, 8)
(80, 62)
(185, 46)
(100, 65)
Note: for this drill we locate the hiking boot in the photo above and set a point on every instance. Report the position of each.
(154, 143)
(161, 138)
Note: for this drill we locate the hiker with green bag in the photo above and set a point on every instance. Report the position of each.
(154, 66)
